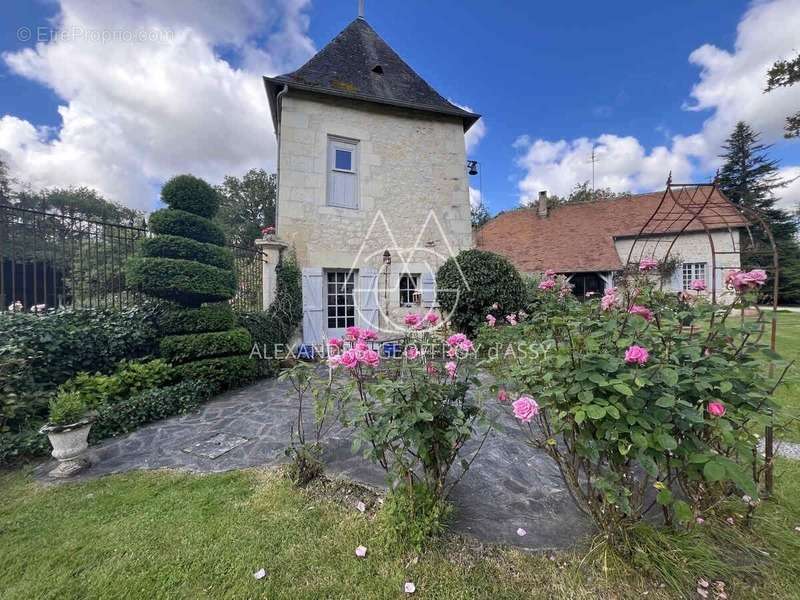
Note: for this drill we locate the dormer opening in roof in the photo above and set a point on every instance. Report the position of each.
(377, 69)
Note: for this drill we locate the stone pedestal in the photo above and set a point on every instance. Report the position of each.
(271, 248)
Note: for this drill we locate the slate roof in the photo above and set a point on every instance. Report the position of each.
(579, 237)
(359, 64)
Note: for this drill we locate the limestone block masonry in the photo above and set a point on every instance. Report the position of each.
(410, 164)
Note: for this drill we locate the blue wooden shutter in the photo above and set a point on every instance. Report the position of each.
(313, 306)
(428, 290)
(677, 278)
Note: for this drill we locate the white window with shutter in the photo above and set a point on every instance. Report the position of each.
(343, 172)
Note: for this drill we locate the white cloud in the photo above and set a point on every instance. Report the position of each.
(475, 199)
(731, 86)
(476, 133)
(137, 112)
(790, 195)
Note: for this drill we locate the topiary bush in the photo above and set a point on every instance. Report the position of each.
(470, 284)
(182, 265)
(192, 194)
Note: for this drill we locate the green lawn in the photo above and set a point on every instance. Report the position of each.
(788, 395)
(169, 535)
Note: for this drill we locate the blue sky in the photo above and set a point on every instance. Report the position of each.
(551, 80)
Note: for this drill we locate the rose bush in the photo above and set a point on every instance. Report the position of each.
(412, 416)
(642, 399)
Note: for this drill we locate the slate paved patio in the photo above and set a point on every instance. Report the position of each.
(509, 486)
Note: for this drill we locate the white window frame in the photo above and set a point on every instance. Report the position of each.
(691, 271)
(415, 293)
(339, 143)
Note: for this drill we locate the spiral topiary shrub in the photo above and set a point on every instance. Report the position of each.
(186, 263)
(471, 283)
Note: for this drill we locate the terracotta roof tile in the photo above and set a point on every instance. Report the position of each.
(580, 236)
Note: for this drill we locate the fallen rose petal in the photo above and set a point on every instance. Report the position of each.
(260, 574)
(361, 507)
(703, 593)
(702, 582)
(409, 587)
(521, 532)
(797, 529)
(361, 551)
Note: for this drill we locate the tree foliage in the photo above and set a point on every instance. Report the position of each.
(247, 205)
(749, 178)
(785, 73)
(583, 192)
(79, 203)
(479, 215)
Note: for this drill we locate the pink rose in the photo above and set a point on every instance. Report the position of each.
(490, 320)
(716, 409)
(648, 264)
(636, 355)
(641, 311)
(757, 276)
(467, 346)
(502, 395)
(456, 339)
(412, 320)
(349, 359)
(431, 369)
(525, 408)
(335, 343)
(411, 352)
(371, 359)
(547, 284)
(432, 318)
(609, 299)
(550, 273)
(451, 369)
(698, 285)
(512, 319)
(369, 335)
(334, 361)
(353, 333)
(452, 352)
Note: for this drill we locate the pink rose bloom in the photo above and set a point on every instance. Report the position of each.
(525, 408)
(432, 318)
(349, 359)
(369, 335)
(335, 343)
(431, 369)
(412, 320)
(698, 285)
(467, 346)
(456, 339)
(502, 395)
(451, 369)
(716, 409)
(411, 352)
(609, 299)
(565, 291)
(636, 355)
(490, 320)
(452, 352)
(547, 284)
(550, 273)
(512, 319)
(371, 358)
(648, 264)
(642, 311)
(757, 276)
(352, 333)
(334, 361)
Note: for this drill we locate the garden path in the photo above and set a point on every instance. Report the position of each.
(509, 487)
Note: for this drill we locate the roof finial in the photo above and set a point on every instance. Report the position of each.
(361, 9)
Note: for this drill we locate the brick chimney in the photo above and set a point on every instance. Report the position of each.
(541, 206)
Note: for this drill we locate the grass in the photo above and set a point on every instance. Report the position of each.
(165, 534)
(788, 395)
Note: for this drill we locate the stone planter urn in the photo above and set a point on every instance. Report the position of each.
(70, 443)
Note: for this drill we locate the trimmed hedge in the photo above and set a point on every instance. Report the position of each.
(219, 373)
(185, 281)
(172, 246)
(491, 279)
(210, 317)
(145, 407)
(182, 348)
(192, 194)
(171, 221)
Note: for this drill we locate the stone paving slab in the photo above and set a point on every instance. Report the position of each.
(510, 485)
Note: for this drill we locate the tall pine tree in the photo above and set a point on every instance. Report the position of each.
(749, 178)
